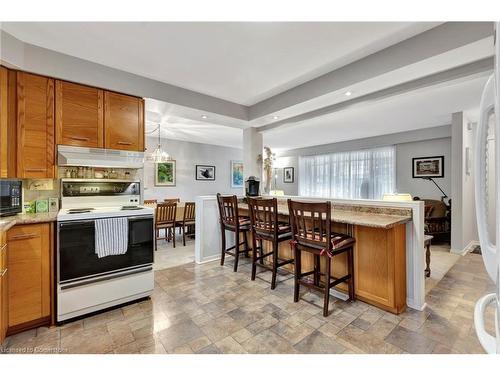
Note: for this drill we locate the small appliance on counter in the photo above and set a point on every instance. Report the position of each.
(252, 186)
(11, 197)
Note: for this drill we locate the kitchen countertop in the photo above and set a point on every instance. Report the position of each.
(368, 219)
(8, 222)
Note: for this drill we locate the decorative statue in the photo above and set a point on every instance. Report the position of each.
(268, 167)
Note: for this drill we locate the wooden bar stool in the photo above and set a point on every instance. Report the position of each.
(231, 221)
(266, 227)
(311, 232)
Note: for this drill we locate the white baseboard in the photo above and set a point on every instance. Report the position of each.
(209, 259)
(466, 249)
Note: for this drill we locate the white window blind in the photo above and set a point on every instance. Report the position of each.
(365, 174)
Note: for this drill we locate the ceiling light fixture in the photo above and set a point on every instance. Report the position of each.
(158, 155)
(204, 116)
(275, 117)
(348, 93)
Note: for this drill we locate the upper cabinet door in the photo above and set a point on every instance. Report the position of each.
(3, 121)
(79, 115)
(123, 122)
(35, 126)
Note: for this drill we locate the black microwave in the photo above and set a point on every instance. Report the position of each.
(11, 197)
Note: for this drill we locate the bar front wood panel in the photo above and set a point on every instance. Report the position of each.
(79, 115)
(35, 126)
(30, 275)
(379, 263)
(380, 266)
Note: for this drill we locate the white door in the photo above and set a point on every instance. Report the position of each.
(487, 178)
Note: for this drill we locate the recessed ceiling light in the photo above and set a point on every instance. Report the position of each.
(275, 117)
(204, 116)
(348, 93)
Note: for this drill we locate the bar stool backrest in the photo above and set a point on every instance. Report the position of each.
(311, 223)
(189, 211)
(165, 213)
(228, 209)
(264, 215)
(150, 201)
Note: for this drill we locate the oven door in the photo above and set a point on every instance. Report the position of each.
(77, 259)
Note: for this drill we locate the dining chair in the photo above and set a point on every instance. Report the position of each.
(172, 200)
(150, 201)
(165, 215)
(188, 221)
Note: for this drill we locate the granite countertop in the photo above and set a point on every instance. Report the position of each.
(375, 218)
(8, 222)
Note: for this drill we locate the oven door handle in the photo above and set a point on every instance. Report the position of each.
(83, 223)
(139, 218)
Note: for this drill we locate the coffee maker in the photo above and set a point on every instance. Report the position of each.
(252, 186)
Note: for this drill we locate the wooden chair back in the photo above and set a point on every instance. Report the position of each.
(264, 215)
(150, 201)
(311, 223)
(171, 200)
(228, 210)
(189, 212)
(166, 213)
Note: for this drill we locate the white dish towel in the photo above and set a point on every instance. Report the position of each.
(111, 236)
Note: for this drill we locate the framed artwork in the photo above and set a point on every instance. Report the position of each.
(165, 173)
(205, 172)
(288, 175)
(236, 174)
(432, 166)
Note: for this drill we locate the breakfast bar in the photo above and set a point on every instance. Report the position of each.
(388, 253)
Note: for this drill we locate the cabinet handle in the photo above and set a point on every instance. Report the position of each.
(124, 143)
(23, 237)
(80, 138)
(35, 169)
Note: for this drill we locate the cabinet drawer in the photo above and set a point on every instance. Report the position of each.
(29, 273)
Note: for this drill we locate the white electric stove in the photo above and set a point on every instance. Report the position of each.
(85, 282)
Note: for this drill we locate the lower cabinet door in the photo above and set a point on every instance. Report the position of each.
(29, 275)
(3, 290)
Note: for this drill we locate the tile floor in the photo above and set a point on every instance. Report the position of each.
(167, 257)
(210, 309)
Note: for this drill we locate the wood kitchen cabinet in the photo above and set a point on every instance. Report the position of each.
(35, 126)
(123, 122)
(30, 276)
(79, 115)
(7, 123)
(3, 287)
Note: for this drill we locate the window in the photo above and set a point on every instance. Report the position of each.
(366, 174)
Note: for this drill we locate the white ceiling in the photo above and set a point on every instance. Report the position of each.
(183, 129)
(243, 62)
(424, 108)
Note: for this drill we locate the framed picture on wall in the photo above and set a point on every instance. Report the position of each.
(236, 174)
(205, 172)
(425, 167)
(165, 173)
(288, 175)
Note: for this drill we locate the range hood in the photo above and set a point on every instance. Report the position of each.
(98, 157)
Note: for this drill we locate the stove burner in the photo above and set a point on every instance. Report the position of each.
(130, 208)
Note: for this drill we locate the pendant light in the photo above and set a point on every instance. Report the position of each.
(158, 155)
